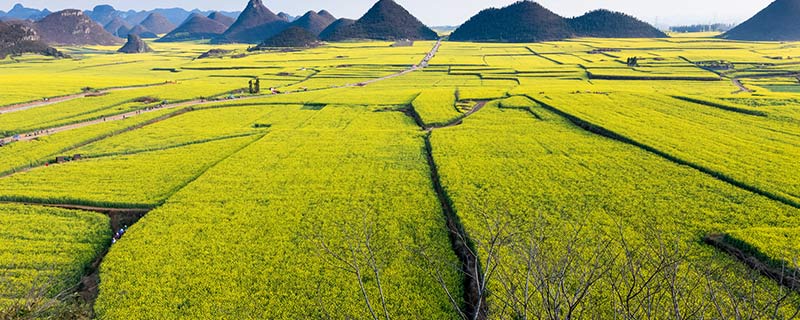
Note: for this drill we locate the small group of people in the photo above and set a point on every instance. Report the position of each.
(118, 235)
(38, 133)
(159, 106)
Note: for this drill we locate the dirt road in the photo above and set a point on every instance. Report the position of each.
(54, 100)
(422, 65)
(46, 132)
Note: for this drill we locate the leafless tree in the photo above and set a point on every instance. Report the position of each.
(38, 302)
(354, 253)
(537, 273)
(537, 269)
(437, 269)
(737, 292)
(635, 282)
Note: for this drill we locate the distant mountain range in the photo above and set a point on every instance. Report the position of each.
(157, 23)
(105, 13)
(523, 21)
(314, 22)
(20, 12)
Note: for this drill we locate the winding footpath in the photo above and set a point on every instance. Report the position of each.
(738, 83)
(478, 106)
(53, 100)
(46, 132)
(742, 88)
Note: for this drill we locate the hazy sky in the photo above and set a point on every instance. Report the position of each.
(452, 12)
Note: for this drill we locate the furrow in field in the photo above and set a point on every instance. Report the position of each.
(728, 177)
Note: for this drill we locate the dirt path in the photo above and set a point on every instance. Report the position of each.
(455, 122)
(738, 83)
(786, 278)
(46, 132)
(422, 65)
(119, 216)
(43, 133)
(54, 100)
(742, 88)
(472, 275)
(478, 106)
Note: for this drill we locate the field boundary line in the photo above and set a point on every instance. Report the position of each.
(172, 146)
(119, 216)
(783, 275)
(203, 171)
(21, 106)
(410, 111)
(461, 243)
(602, 131)
(140, 151)
(146, 108)
(742, 88)
(543, 57)
(721, 106)
(98, 138)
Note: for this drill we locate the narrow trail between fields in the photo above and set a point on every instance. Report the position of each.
(198, 102)
(46, 132)
(461, 243)
(742, 88)
(721, 176)
(412, 113)
(458, 121)
(786, 278)
(119, 216)
(125, 153)
(53, 100)
(422, 65)
(93, 140)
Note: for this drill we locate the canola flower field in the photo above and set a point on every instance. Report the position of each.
(503, 181)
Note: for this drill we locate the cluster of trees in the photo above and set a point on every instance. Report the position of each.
(716, 27)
